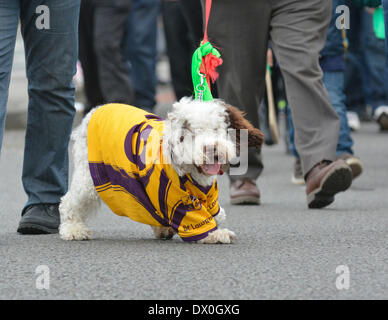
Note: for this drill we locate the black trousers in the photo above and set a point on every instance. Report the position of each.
(181, 39)
(87, 55)
(101, 33)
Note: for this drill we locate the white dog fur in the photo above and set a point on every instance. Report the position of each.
(82, 199)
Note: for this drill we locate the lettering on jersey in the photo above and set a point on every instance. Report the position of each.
(213, 204)
(202, 223)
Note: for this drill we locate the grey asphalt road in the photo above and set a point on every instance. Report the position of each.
(284, 250)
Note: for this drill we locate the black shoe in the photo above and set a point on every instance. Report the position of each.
(40, 219)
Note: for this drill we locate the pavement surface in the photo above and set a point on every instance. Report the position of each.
(284, 250)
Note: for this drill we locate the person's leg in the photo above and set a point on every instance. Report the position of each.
(110, 24)
(297, 176)
(51, 57)
(192, 12)
(179, 48)
(334, 81)
(374, 52)
(298, 36)
(354, 72)
(242, 39)
(141, 51)
(87, 56)
(381, 114)
(334, 84)
(291, 133)
(385, 7)
(297, 50)
(9, 18)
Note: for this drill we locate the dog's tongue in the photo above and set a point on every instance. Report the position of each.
(211, 169)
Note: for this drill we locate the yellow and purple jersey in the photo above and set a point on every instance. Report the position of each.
(130, 174)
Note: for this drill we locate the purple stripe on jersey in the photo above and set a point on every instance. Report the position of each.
(182, 181)
(131, 154)
(199, 236)
(163, 192)
(203, 189)
(98, 174)
(136, 187)
(151, 116)
(178, 213)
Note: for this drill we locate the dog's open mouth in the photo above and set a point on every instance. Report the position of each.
(212, 169)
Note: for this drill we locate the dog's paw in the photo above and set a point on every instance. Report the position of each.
(220, 236)
(163, 232)
(74, 231)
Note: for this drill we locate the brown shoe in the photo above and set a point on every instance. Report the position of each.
(325, 180)
(244, 191)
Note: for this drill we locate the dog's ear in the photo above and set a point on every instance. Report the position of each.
(236, 120)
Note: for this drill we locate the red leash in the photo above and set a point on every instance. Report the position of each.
(209, 62)
(208, 6)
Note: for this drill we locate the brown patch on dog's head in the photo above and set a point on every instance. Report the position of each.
(236, 120)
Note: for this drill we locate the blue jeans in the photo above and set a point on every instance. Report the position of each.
(364, 82)
(385, 6)
(51, 56)
(334, 85)
(140, 50)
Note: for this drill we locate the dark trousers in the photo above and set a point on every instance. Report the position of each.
(88, 57)
(297, 29)
(385, 6)
(140, 51)
(182, 37)
(102, 31)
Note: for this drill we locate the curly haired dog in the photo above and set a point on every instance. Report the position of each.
(154, 171)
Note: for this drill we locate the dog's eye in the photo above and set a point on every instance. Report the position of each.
(182, 138)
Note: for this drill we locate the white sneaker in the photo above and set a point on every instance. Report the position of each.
(353, 162)
(381, 116)
(353, 120)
